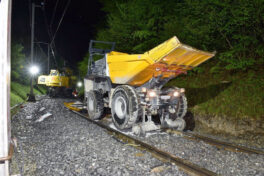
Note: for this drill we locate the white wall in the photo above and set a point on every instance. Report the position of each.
(5, 32)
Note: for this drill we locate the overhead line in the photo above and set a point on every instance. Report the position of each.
(49, 32)
(52, 46)
(53, 14)
(66, 7)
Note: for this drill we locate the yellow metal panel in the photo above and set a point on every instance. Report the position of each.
(42, 79)
(58, 81)
(163, 49)
(71, 107)
(123, 68)
(168, 59)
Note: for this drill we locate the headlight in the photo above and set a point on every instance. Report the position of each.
(182, 90)
(176, 93)
(152, 94)
(144, 89)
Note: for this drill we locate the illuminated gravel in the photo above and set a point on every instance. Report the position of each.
(66, 144)
(217, 160)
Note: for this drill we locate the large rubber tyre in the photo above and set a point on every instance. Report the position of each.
(125, 107)
(95, 105)
(52, 92)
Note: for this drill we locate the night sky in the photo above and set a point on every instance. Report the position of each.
(76, 30)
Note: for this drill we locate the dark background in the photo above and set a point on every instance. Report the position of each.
(72, 39)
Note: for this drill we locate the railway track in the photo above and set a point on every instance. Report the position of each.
(217, 143)
(183, 164)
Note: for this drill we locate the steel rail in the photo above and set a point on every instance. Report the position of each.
(218, 143)
(183, 164)
(226, 145)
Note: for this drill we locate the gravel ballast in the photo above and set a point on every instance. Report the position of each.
(62, 143)
(210, 157)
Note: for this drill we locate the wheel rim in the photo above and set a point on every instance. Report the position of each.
(91, 104)
(120, 107)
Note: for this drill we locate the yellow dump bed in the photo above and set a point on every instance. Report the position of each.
(168, 59)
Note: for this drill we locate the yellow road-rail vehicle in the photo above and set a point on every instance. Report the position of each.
(59, 82)
(132, 84)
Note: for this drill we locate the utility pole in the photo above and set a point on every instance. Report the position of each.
(31, 94)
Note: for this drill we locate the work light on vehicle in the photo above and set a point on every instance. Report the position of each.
(182, 90)
(176, 94)
(144, 89)
(152, 94)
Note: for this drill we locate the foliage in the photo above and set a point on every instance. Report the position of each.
(15, 99)
(18, 64)
(82, 66)
(236, 96)
(232, 28)
(19, 92)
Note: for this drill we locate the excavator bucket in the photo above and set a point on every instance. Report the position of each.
(167, 60)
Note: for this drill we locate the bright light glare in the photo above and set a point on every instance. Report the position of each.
(176, 94)
(182, 90)
(34, 70)
(152, 94)
(144, 89)
(79, 84)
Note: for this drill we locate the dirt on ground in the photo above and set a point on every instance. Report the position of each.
(248, 132)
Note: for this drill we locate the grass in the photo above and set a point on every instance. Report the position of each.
(15, 99)
(19, 92)
(237, 95)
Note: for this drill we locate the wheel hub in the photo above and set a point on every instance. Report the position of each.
(91, 103)
(120, 107)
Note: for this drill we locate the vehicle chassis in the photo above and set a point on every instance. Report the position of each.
(131, 106)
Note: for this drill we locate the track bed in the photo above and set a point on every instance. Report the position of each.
(65, 144)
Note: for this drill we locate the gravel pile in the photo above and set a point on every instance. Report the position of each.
(66, 144)
(220, 161)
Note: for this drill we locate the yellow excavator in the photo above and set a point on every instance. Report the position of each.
(59, 82)
(131, 85)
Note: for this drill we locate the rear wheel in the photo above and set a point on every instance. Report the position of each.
(125, 107)
(95, 105)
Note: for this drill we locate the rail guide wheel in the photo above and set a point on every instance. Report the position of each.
(95, 105)
(177, 112)
(125, 107)
(180, 110)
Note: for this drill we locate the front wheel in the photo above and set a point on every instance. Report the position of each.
(95, 105)
(125, 107)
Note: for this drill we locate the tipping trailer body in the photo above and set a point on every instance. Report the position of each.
(168, 59)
